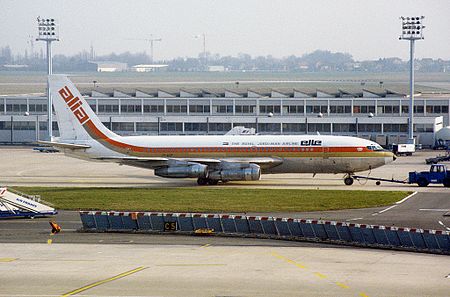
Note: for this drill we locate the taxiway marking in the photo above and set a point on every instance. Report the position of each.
(206, 245)
(443, 225)
(406, 198)
(434, 209)
(7, 259)
(384, 210)
(90, 286)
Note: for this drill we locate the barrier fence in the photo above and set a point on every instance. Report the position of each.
(433, 241)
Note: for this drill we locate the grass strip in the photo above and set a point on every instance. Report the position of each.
(207, 199)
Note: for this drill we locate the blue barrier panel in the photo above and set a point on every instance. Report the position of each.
(213, 222)
(294, 227)
(228, 223)
(143, 222)
(198, 221)
(101, 220)
(307, 228)
(405, 238)
(254, 225)
(88, 220)
(343, 231)
(185, 221)
(157, 222)
(368, 235)
(268, 225)
(356, 233)
(330, 229)
(242, 224)
(129, 222)
(282, 226)
(443, 238)
(380, 235)
(430, 240)
(417, 239)
(392, 235)
(319, 230)
(115, 221)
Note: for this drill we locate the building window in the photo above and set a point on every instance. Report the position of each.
(199, 108)
(19, 108)
(423, 127)
(222, 108)
(176, 108)
(172, 127)
(294, 109)
(37, 107)
(395, 128)
(437, 109)
(294, 127)
(269, 109)
(122, 126)
(388, 109)
(344, 128)
(269, 127)
(245, 108)
(219, 127)
(5, 125)
(130, 108)
(105, 108)
(340, 109)
(316, 109)
(145, 126)
(319, 127)
(369, 128)
(153, 108)
(22, 125)
(197, 127)
(246, 125)
(363, 109)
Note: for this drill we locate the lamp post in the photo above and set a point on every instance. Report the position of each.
(48, 31)
(203, 35)
(411, 30)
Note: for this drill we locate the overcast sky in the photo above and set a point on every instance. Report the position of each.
(366, 29)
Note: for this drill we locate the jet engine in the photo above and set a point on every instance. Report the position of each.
(251, 172)
(194, 170)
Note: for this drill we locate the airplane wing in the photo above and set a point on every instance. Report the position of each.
(156, 162)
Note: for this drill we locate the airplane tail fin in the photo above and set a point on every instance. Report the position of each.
(76, 120)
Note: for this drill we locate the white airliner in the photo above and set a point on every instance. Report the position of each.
(210, 159)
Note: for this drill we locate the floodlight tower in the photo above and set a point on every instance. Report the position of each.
(48, 31)
(411, 30)
(203, 35)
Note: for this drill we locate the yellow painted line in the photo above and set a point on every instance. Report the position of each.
(49, 241)
(343, 286)
(7, 259)
(288, 260)
(320, 275)
(362, 294)
(177, 265)
(205, 245)
(103, 282)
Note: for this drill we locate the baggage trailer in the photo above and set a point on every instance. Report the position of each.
(16, 204)
(438, 174)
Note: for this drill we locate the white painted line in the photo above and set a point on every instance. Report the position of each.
(354, 219)
(384, 210)
(443, 225)
(406, 198)
(434, 209)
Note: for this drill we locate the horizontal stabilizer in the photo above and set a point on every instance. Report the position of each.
(64, 145)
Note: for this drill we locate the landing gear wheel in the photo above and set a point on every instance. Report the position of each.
(348, 181)
(213, 182)
(202, 181)
(422, 182)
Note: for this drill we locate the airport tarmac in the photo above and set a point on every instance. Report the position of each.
(33, 263)
(31, 168)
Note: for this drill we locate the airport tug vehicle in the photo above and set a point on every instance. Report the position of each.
(438, 174)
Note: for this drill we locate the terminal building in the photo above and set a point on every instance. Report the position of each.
(373, 113)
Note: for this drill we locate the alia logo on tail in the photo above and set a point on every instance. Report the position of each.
(75, 105)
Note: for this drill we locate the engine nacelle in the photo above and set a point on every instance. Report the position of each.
(252, 172)
(195, 170)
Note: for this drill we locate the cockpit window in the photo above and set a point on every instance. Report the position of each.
(375, 147)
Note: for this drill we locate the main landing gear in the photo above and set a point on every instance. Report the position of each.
(348, 180)
(207, 181)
